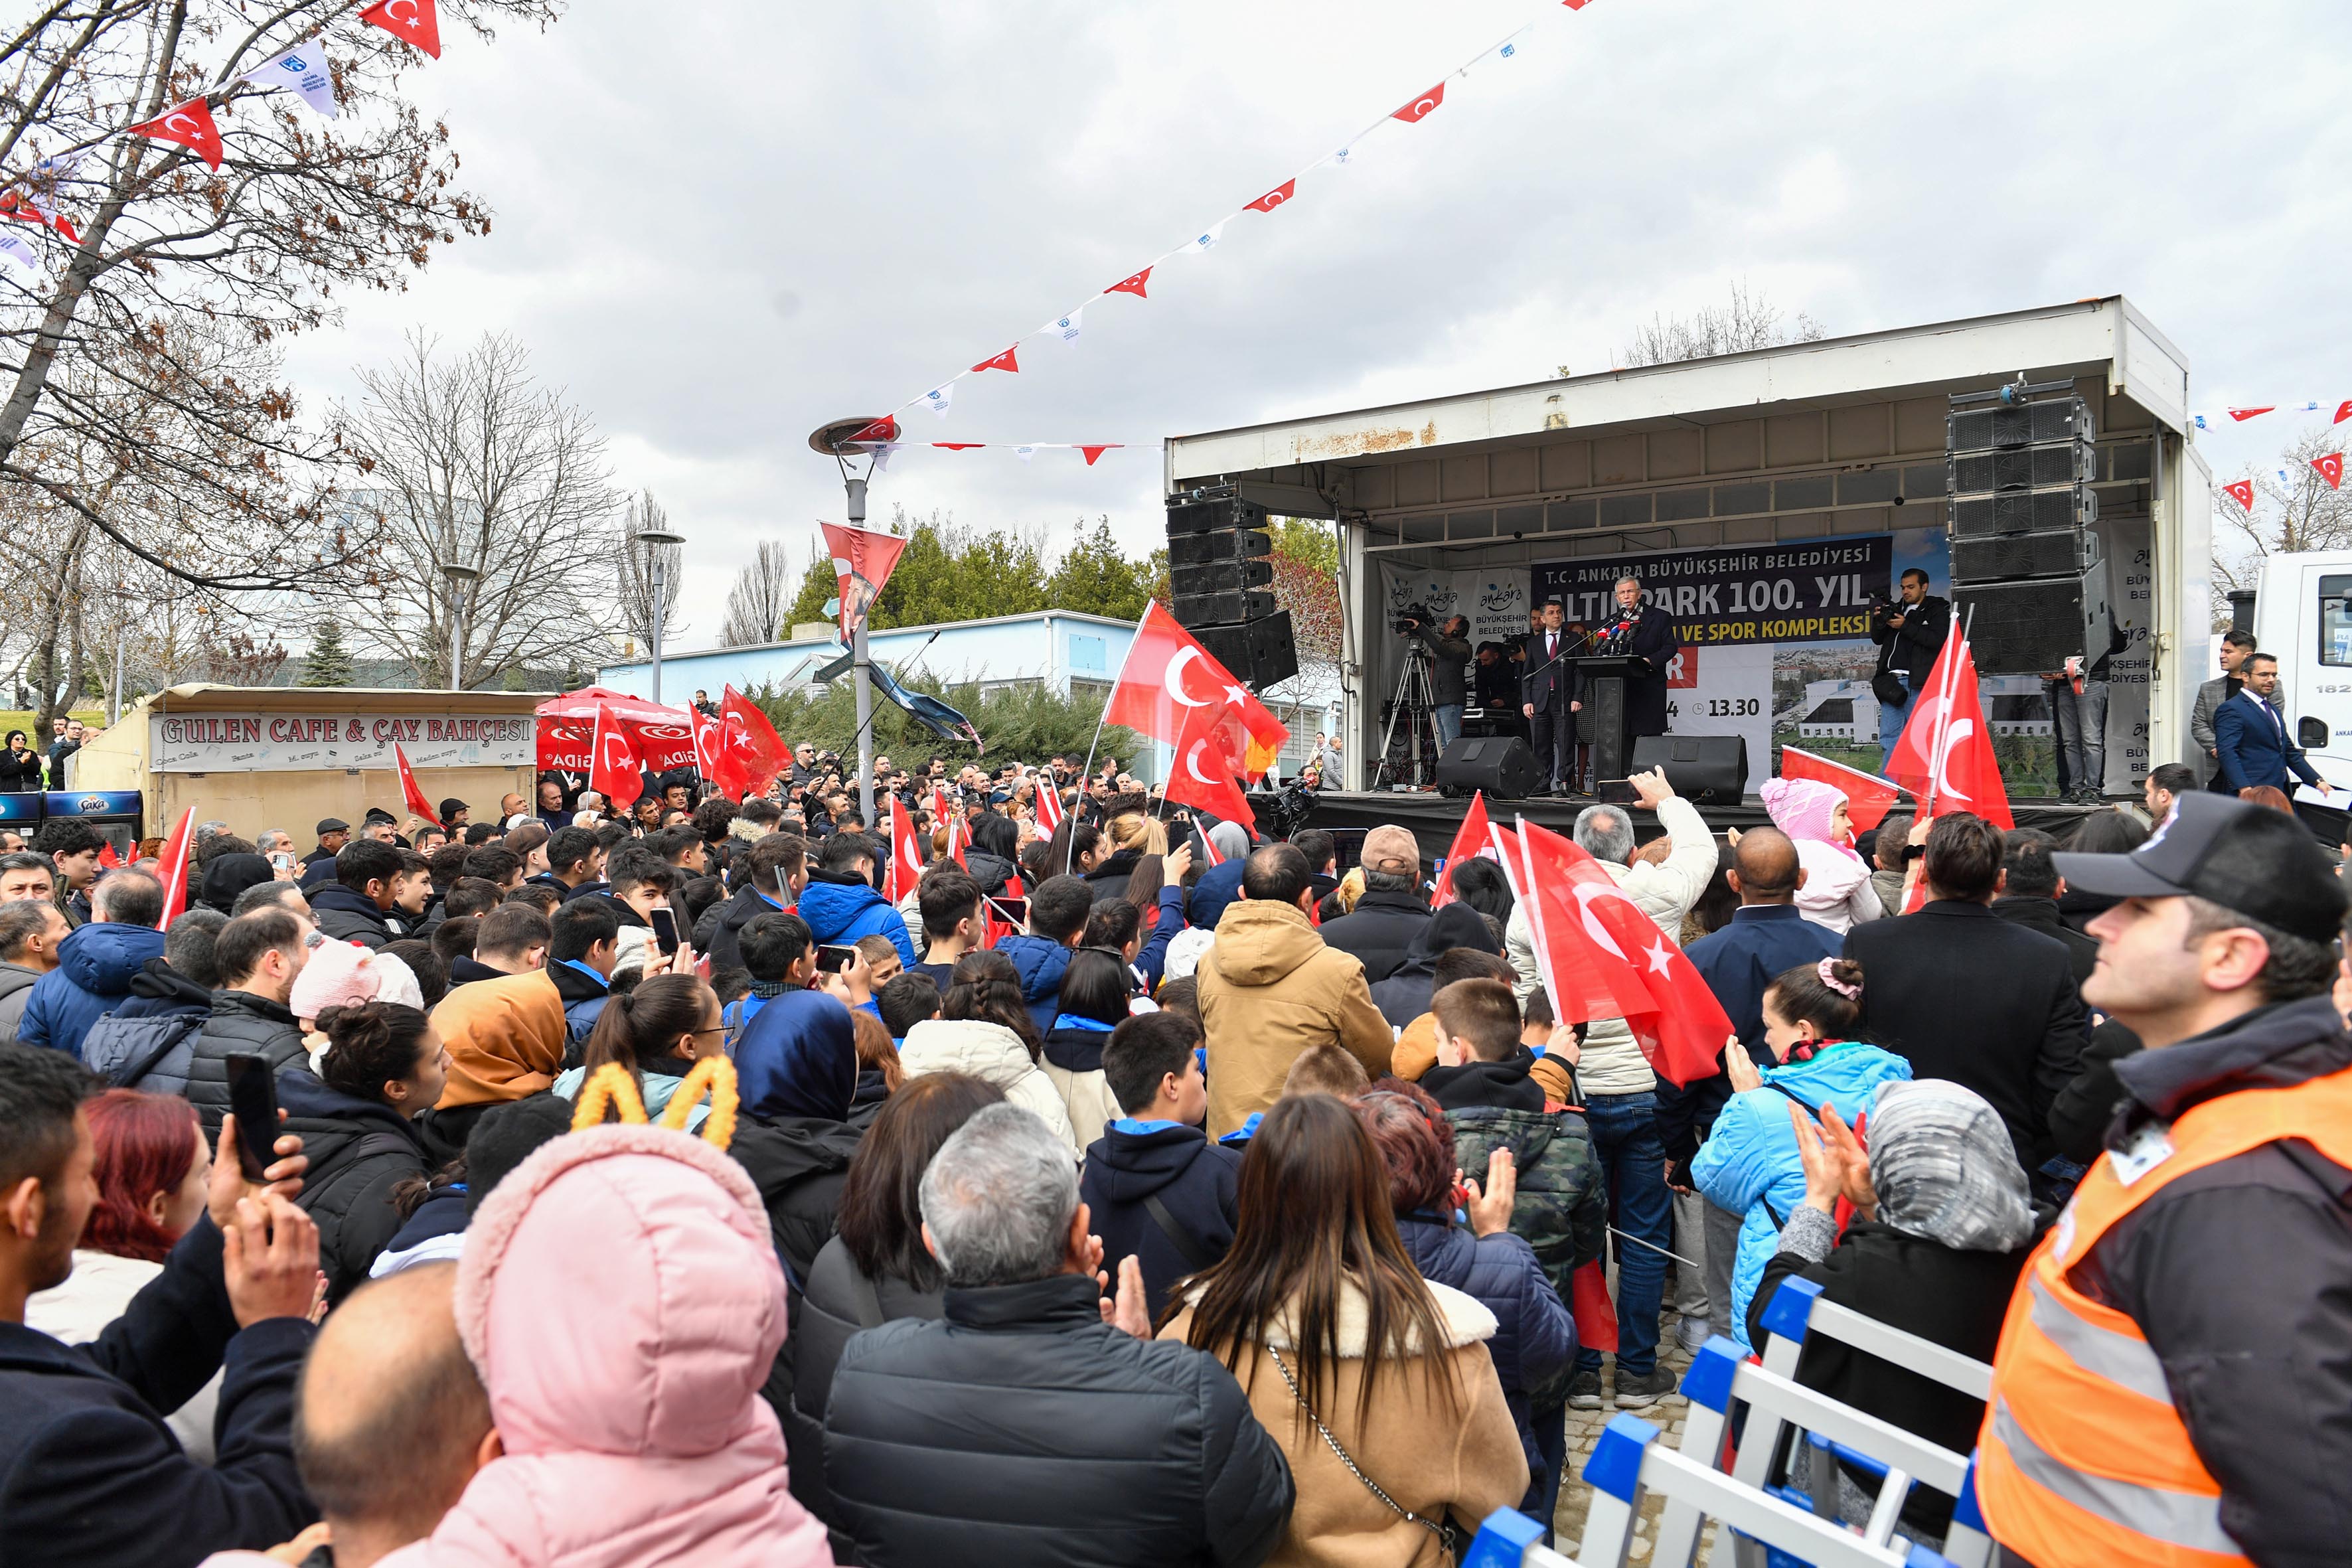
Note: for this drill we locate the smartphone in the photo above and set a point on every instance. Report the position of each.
(283, 859)
(665, 924)
(1013, 909)
(832, 958)
(1616, 792)
(253, 1100)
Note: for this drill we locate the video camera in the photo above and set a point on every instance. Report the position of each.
(1412, 618)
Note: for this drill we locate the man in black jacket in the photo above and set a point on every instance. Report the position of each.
(356, 906)
(767, 880)
(2030, 889)
(2227, 1250)
(1448, 644)
(319, 864)
(1960, 994)
(259, 954)
(1910, 633)
(1548, 695)
(1381, 929)
(89, 1472)
(1026, 1427)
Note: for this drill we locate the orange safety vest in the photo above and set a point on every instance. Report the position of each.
(2083, 1459)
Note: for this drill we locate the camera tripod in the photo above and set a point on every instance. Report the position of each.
(1414, 708)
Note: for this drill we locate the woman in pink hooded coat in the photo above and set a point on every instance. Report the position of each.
(1837, 891)
(621, 1298)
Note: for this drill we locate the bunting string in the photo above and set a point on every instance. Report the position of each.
(2240, 415)
(1067, 326)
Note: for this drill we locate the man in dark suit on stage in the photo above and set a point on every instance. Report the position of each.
(1547, 696)
(1644, 631)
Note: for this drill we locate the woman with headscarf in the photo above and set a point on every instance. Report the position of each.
(1837, 891)
(796, 1070)
(506, 1039)
(1942, 1225)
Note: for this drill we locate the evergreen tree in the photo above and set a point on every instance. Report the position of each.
(329, 663)
(1096, 577)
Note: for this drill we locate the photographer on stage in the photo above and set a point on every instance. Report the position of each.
(1910, 633)
(1448, 643)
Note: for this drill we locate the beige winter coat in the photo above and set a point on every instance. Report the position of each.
(992, 1052)
(1270, 990)
(1430, 1454)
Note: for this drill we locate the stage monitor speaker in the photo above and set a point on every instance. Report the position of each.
(1259, 653)
(1502, 765)
(2031, 627)
(1709, 768)
(1223, 544)
(2059, 419)
(1218, 577)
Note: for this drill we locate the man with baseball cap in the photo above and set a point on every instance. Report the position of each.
(2174, 1381)
(1391, 912)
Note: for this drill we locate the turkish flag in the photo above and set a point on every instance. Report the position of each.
(1469, 840)
(413, 21)
(107, 858)
(751, 753)
(882, 429)
(1208, 855)
(1204, 771)
(956, 836)
(2242, 492)
(2331, 469)
(2342, 412)
(409, 791)
(1167, 675)
(906, 852)
(613, 764)
(1868, 797)
(24, 209)
(863, 560)
(1421, 107)
(1048, 804)
(191, 125)
(1601, 957)
(1005, 362)
(1132, 284)
(710, 734)
(1274, 197)
(171, 868)
(1945, 756)
(2243, 415)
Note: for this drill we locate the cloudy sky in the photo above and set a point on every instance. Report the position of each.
(718, 226)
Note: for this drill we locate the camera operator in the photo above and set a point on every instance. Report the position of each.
(1448, 643)
(1909, 633)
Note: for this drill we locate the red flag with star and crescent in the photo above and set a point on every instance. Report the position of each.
(2242, 492)
(191, 125)
(1204, 772)
(751, 753)
(414, 21)
(2331, 469)
(1868, 797)
(615, 769)
(1944, 756)
(863, 560)
(1168, 676)
(1469, 841)
(1602, 957)
(1048, 804)
(410, 790)
(1421, 107)
(171, 867)
(708, 735)
(906, 852)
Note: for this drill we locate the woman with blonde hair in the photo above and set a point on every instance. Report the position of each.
(1344, 1349)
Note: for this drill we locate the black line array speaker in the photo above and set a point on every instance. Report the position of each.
(1502, 765)
(1220, 574)
(2025, 563)
(2032, 627)
(1708, 768)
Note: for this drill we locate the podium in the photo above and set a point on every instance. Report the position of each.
(1601, 723)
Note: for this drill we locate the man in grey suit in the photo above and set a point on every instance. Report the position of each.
(2235, 647)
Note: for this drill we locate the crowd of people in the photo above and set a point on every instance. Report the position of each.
(652, 1186)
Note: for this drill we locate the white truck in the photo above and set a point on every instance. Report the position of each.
(2303, 617)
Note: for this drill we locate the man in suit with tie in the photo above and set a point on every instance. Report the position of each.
(2250, 738)
(1547, 696)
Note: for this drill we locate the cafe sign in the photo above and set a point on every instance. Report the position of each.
(264, 742)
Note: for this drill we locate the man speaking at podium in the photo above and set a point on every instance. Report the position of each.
(1642, 631)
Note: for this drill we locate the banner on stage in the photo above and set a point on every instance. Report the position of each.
(1809, 590)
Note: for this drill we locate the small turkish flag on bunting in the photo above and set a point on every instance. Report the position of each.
(1274, 197)
(1422, 108)
(413, 21)
(1135, 286)
(880, 430)
(2243, 415)
(1001, 362)
(191, 125)
(1093, 452)
(1576, 5)
(2331, 469)
(2342, 412)
(2242, 492)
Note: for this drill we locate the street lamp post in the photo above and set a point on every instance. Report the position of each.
(655, 540)
(841, 440)
(459, 577)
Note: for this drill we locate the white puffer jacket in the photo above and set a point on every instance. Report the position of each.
(992, 1052)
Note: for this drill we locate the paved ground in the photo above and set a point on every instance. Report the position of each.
(1584, 1428)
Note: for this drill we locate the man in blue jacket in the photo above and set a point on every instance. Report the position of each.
(97, 963)
(2250, 736)
(840, 904)
(1058, 908)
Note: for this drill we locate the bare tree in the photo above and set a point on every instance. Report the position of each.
(2297, 512)
(472, 463)
(645, 515)
(139, 240)
(762, 595)
(1749, 321)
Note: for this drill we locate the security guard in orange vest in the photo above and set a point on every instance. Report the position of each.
(2174, 1381)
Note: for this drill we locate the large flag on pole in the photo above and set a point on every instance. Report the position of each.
(171, 868)
(751, 753)
(1470, 840)
(409, 790)
(862, 562)
(1168, 677)
(1601, 957)
(1946, 755)
(1868, 797)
